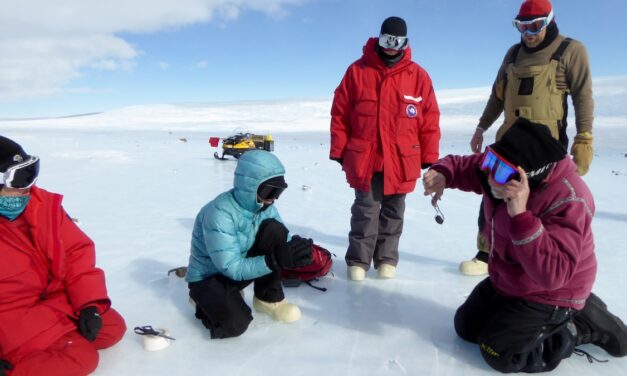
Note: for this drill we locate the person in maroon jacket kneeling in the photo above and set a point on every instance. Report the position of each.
(536, 305)
(54, 309)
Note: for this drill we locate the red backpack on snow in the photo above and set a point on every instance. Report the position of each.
(321, 262)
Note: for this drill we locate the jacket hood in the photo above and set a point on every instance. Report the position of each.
(253, 168)
(371, 58)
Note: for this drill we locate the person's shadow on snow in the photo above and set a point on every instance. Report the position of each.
(449, 267)
(369, 307)
(169, 288)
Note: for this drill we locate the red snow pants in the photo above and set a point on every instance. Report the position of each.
(72, 354)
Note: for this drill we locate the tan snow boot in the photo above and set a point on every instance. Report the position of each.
(473, 267)
(356, 273)
(478, 265)
(386, 271)
(279, 311)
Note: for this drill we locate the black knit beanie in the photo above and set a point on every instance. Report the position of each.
(532, 147)
(11, 153)
(394, 26)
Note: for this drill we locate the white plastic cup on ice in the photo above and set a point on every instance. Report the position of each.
(156, 343)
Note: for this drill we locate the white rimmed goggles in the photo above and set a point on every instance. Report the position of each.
(392, 42)
(533, 27)
(22, 175)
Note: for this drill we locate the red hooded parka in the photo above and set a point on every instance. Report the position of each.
(384, 118)
(47, 275)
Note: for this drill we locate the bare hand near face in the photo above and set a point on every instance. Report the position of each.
(516, 194)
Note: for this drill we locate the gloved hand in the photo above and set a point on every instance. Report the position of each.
(295, 253)
(582, 152)
(4, 365)
(89, 323)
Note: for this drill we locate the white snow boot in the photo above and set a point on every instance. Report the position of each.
(386, 271)
(473, 267)
(279, 311)
(356, 273)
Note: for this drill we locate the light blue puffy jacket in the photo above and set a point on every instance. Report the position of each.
(225, 228)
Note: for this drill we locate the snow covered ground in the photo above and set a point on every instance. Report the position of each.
(136, 188)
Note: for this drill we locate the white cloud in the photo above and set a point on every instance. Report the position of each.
(164, 65)
(202, 64)
(46, 44)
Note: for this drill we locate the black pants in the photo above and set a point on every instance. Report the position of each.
(219, 304)
(515, 335)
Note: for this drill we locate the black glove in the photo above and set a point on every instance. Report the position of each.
(338, 160)
(4, 365)
(426, 165)
(89, 323)
(293, 254)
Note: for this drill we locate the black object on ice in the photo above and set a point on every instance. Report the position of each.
(148, 330)
(439, 216)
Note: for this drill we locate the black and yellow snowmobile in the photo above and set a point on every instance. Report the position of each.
(240, 143)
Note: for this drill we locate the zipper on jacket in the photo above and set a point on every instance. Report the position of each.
(492, 231)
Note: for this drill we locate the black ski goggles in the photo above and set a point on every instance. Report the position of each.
(22, 175)
(269, 191)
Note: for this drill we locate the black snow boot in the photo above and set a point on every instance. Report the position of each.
(596, 325)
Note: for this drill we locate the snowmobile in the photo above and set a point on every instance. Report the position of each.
(238, 144)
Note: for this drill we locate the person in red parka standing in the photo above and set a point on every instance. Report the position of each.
(54, 309)
(384, 129)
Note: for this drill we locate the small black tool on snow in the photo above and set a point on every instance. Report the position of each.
(148, 330)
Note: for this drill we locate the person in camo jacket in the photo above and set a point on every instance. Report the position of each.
(533, 82)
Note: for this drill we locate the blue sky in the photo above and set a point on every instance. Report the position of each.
(77, 56)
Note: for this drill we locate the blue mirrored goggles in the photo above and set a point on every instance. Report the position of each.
(499, 168)
(392, 42)
(22, 175)
(533, 27)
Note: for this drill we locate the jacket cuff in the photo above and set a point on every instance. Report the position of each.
(444, 171)
(484, 126)
(525, 228)
(102, 306)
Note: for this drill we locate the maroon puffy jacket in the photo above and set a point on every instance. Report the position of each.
(546, 254)
(47, 275)
(384, 117)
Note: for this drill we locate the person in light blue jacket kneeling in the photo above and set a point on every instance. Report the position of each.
(239, 238)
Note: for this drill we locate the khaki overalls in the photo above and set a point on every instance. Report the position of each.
(531, 92)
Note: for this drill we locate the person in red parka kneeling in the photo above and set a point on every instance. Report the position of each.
(54, 309)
